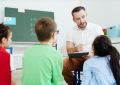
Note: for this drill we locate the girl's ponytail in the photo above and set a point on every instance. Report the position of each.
(115, 63)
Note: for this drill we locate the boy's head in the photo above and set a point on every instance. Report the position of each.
(5, 35)
(46, 29)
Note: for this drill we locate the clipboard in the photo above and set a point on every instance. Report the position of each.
(77, 54)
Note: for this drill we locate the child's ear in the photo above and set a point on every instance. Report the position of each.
(52, 35)
(4, 40)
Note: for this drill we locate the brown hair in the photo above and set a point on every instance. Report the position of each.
(4, 31)
(44, 28)
(78, 8)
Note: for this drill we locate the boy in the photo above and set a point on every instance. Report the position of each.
(42, 64)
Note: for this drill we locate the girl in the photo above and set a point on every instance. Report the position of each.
(5, 40)
(104, 67)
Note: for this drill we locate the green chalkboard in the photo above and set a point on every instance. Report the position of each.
(23, 30)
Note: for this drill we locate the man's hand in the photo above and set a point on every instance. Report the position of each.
(71, 49)
(89, 55)
(79, 48)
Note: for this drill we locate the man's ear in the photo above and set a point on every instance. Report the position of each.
(4, 40)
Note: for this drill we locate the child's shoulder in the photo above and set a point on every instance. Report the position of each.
(92, 59)
(3, 51)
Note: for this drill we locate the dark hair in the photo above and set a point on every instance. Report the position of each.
(102, 47)
(44, 28)
(77, 9)
(4, 31)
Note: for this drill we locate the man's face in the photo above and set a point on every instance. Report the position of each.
(80, 19)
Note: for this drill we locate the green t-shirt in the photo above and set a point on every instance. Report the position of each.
(42, 65)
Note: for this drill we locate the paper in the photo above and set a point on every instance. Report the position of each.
(10, 20)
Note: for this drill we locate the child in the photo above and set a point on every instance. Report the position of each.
(5, 40)
(42, 64)
(104, 67)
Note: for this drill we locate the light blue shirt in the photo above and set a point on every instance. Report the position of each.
(96, 71)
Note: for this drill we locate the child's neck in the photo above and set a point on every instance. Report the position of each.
(49, 43)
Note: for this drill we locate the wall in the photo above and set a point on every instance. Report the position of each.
(61, 8)
(103, 12)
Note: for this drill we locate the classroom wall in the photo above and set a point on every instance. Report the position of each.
(102, 12)
(61, 9)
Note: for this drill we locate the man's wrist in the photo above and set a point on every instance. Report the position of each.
(76, 49)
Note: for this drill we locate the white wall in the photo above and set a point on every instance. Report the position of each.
(103, 12)
(61, 8)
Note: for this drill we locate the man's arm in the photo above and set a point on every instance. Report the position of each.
(71, 48)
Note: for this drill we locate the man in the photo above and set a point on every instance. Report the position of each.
(79, 39)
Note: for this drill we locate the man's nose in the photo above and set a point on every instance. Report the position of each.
(81, 20)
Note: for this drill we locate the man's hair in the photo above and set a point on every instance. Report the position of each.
(4, 31)
(44, 28)
(78, 8)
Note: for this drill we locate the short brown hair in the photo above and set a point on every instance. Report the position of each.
(78, 8)
(44, 28)
(4, 31)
